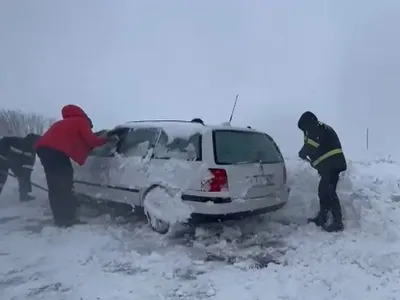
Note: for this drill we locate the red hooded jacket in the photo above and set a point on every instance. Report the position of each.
(73, 135)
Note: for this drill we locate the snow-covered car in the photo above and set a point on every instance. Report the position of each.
(180, 170)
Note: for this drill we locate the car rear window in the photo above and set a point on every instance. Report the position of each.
(236, 147)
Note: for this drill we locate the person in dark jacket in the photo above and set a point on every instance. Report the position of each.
(69, 138)
(322, 148)
(18, 155)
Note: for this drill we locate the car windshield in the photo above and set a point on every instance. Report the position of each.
(241, 147)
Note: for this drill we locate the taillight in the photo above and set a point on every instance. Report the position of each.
(219, 181)
(284, 175)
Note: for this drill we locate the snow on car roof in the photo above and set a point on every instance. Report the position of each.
(181, 129)
(173, 129)
(230, 127)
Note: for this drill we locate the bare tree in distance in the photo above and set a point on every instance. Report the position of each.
(19, 123)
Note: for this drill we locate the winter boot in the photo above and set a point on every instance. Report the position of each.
(334, 227)
(320, 219)
(337, 224)
(75, 221)
(69, 223)
(26, 198)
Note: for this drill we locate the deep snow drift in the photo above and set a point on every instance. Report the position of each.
(272, 257)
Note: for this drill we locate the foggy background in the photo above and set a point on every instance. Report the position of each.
(128, 59)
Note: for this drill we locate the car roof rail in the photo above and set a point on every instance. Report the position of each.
(161, 121)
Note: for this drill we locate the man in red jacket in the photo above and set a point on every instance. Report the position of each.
(69, 138)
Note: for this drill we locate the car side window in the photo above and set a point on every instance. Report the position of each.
(138, 141)
(179, 148)
(109, 149)
(103, 151)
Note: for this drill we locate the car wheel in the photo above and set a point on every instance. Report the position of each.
(152, 204)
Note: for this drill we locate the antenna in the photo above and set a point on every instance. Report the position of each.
(233, 109)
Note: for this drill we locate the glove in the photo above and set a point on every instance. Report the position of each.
(109, 133)
(113, 139)
(302, 155)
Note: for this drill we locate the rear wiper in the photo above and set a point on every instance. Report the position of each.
(258, 161)
(249, 162)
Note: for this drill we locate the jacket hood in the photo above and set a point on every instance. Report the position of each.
(71, 110)
(307, 121)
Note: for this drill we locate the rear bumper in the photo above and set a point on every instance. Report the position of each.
(207, 218)
(226, 208)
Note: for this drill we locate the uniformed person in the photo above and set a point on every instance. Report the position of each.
(322, 148)
(18, 155)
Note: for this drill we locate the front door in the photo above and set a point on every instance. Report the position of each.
(92, 178)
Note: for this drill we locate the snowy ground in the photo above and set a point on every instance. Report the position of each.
(274, 257)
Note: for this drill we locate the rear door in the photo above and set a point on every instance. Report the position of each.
(177, 162)
(253, 162)
(128, 170)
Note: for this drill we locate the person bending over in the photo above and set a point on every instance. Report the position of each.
(69, 138)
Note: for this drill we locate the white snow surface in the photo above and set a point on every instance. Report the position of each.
(277, 256)
(166, 207)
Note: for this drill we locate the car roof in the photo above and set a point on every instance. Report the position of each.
(183, 125)
(183, 129)
(173, 128)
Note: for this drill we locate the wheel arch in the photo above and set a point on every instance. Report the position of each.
(146, 190)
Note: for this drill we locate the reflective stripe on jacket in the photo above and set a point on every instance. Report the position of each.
(317, 160)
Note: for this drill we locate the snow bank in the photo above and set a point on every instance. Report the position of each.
(368, 193)
(132, 262)
(362, 262)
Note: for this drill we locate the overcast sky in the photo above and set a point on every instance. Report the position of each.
(129, 59)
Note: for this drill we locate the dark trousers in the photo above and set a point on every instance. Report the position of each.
(328, 198)
(24, 178)
(59, 176)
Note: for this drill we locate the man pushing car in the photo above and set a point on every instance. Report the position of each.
(70, 138)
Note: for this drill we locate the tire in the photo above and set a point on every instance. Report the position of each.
(152, 205)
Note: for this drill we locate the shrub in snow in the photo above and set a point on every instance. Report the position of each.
(19, 123)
